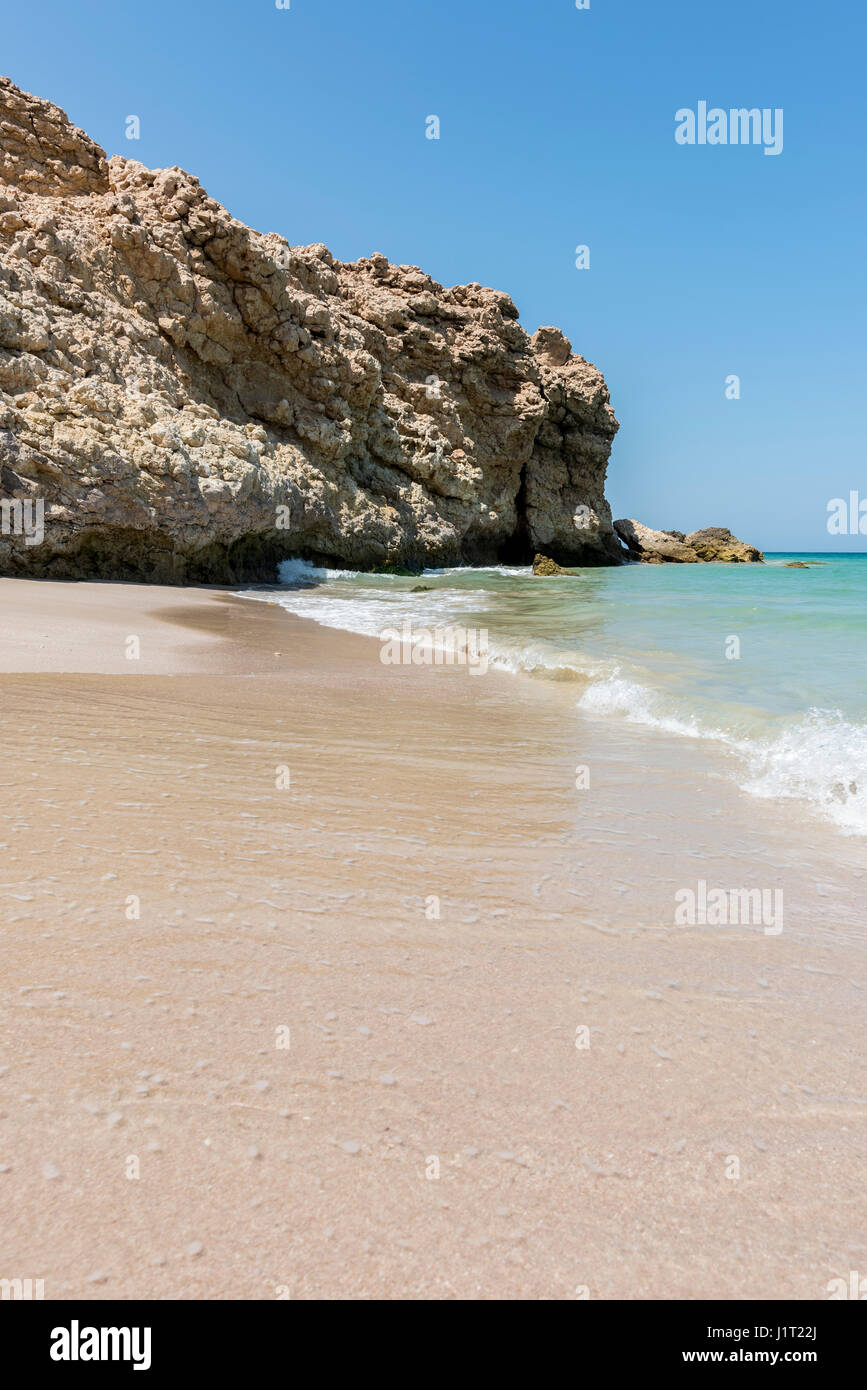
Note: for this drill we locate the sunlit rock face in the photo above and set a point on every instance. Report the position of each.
(715, 543)
(184, 399)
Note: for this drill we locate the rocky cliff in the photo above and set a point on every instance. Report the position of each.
(715, 543)
(190, 400)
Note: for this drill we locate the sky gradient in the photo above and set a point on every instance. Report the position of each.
(557, 130)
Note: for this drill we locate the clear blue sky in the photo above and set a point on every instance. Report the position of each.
(557, 129)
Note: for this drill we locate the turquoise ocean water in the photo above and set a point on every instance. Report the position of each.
(768, 663)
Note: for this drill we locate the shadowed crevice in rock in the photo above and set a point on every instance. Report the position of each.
(518, 548)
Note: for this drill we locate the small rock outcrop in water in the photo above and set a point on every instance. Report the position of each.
(191, 400)
(718, 543)
(547, 568)
(673, 547)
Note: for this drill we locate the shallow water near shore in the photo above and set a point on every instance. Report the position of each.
(767, 662)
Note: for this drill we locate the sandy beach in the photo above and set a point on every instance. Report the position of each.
(321, 979)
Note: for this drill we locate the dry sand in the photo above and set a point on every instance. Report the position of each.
(169, 913)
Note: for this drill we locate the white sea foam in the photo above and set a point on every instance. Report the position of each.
(318, 594)
(506, 571)
(638, 704)
(305, 572)
(538, 657)
(820, 758)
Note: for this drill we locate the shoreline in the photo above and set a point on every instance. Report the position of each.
(413, 1036)
(786, 734)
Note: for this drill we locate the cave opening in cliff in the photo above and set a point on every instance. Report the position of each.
(517, 549)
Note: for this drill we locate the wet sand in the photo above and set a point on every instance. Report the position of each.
(172, 918)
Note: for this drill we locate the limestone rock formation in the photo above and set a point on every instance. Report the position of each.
(673, 547)
(652, 546)
(190, 400)
(718, 543)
